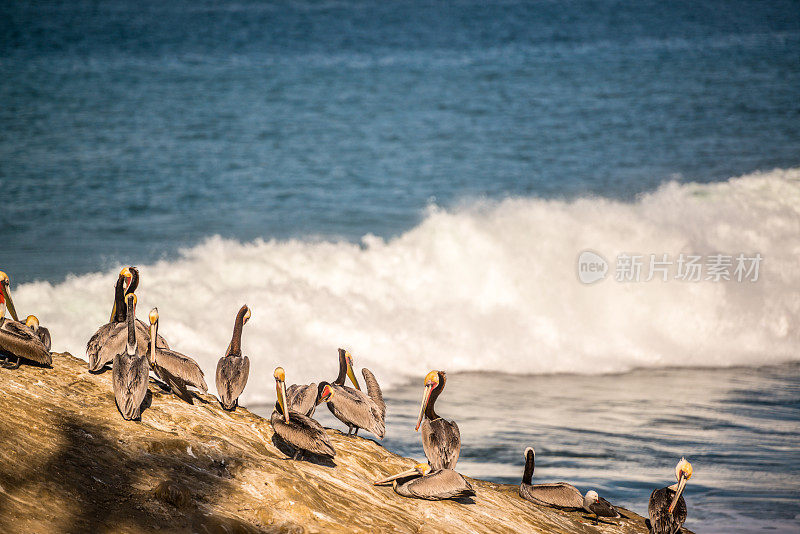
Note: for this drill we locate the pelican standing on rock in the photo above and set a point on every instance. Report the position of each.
(352, 406)
(422, 482)
(233, 368)
(441, 438)
(300, 431)
(557, 494)
(173, 368)
(32, 322)
(131, 371)
(110, 339)
(667, 508)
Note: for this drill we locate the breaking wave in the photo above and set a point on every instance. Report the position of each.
(485, 286)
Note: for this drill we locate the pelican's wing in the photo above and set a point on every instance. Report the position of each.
(302, 398)
(443, 484)
(130, 377)
(661, 521)
(441, 441)
(232, 373)
(182, 367)
(374, 391)
(20, 341)
(557, 495)
(302, 432)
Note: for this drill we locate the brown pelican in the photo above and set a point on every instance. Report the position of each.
(32, 322)
(352, 406)
(110, 339)
(422, 482)
(597, 505)
(441, 438)
(667, 508)
(233, 368)
(301, 432)
(173, 368)
(131, 372)
(20, 342)
(557, 494)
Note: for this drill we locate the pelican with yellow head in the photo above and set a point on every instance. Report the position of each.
(351, 405)
(20, 341)
(302, 433)
(109, 340)
(667, 508)
(441, 439)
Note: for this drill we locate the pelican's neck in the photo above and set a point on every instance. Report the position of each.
(530, 460)
(134, 281)
(131, 320)
(235, 348)
(342, 369)
(430, 411)
(118, 311)
(153, 337)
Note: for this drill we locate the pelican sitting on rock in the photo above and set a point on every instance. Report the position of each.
(18, 341)
(667, 508)
(110, 339)
(233, 368)
(557, 494)
(173, 368)
(32, 322)
(300, 431)
(352, 406)
(422, 482)
(441, 439)
(131, 371)
(598, 506)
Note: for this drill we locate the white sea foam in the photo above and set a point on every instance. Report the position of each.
(487, 286)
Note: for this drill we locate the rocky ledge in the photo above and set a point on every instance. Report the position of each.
(70, 463)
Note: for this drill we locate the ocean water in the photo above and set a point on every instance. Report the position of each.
(415, 181)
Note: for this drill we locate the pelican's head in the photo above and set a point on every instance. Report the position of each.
(423, 469)
(683, 468)
(127, 275)
(246, 316)
(154, 316)
(431, 381)
(683, 472)
(5, 295)
(32, 322)
(280, 386)
(325, 392)
(591, 498)
(529, 452)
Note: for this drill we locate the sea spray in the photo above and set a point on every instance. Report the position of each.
(485, 286)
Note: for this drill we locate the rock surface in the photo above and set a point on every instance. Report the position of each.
(70, 463)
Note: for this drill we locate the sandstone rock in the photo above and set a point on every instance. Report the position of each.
(70, 463)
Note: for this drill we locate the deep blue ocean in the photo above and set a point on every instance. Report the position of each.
(414, 180)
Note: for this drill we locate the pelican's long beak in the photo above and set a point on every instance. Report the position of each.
(280, 385)
(408, 473)
(9, 303)
(350, 374)
(426, 396)
(678, 491)
(153, 335)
